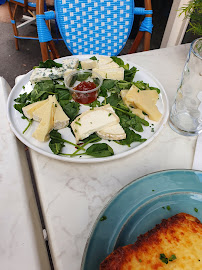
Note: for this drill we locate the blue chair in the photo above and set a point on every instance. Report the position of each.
(93, 26)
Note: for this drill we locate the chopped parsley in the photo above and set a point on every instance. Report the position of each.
(165, 260)
(56, 105)
(196, 209)
(152, 130)
(153, 190)
(172, 258)
(140, 260)
(168, 207)
(109, 114)
(78, 123)
(23, 87)
(103, 218)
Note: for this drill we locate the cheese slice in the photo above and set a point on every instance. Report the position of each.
(29, 109)
(134, 110)
(92, 121)
(38, 113)
(89, 64)
(110, 73)
(44, 74)
(68, 71)
(70, 63)
(115, 132)
(101, 72)
(104, 60)
(46, 125)
(61, 120)
(109, 65)
(145, 100)
(115, 73)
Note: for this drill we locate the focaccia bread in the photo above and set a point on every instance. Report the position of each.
(174, 244)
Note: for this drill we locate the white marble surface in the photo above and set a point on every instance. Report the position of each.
(72, 195)
(22, 245)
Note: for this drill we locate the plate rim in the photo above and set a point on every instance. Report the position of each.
(90, 160)
(106, 205)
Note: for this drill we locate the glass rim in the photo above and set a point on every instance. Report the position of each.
(87, 91)
(192, 48)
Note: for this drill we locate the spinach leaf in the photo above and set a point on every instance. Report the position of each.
(56, 147)
(95, 103)
(57, 142)
(19, 107)
(145, 86)
(79, 65)
(124, 85)
(83, 76)
(23, 98)
(107, 85)
(73, 80)
(129, 74)
(92, 138)
(114, 100)
(99, 150)
(93, 58)
(131, 137)
(71, 108)
(42, 90)
(49, 64)
(120, 62)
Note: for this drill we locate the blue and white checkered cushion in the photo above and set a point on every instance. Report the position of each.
(95, 26)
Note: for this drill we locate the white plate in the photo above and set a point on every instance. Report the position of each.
(18, 124)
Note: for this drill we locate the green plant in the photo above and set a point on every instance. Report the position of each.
(193, 10)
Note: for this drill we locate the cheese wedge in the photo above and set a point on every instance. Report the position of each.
(67, 72)
(101, 72)
(29, 109)
(109, 65)
(92, 121)
(145, 100)
(115, 132)
(89, 64)
(134, 110)
(38, 113)
(104, 60)
(46, 125)
(61, 120)
(70, 63)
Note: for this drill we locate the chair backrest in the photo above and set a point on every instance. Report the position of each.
(95, 27)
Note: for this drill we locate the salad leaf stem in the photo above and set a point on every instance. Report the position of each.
(29, 124)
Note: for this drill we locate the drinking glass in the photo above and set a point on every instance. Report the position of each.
(186, 111)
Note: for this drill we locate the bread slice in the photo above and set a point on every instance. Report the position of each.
(92, 121)
(178, 238)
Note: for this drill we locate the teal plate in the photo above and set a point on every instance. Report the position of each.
(138, 207)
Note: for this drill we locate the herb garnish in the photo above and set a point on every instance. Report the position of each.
(165, 260)
(196, 209)
(103, 218)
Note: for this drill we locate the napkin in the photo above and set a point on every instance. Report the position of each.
(197, 163)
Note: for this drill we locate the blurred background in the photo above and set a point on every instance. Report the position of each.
(14, 63)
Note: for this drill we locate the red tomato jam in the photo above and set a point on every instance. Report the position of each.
(85, 98)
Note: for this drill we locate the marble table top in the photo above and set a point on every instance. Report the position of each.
(72, 195)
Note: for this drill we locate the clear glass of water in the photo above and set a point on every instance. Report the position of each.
(186, 111)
